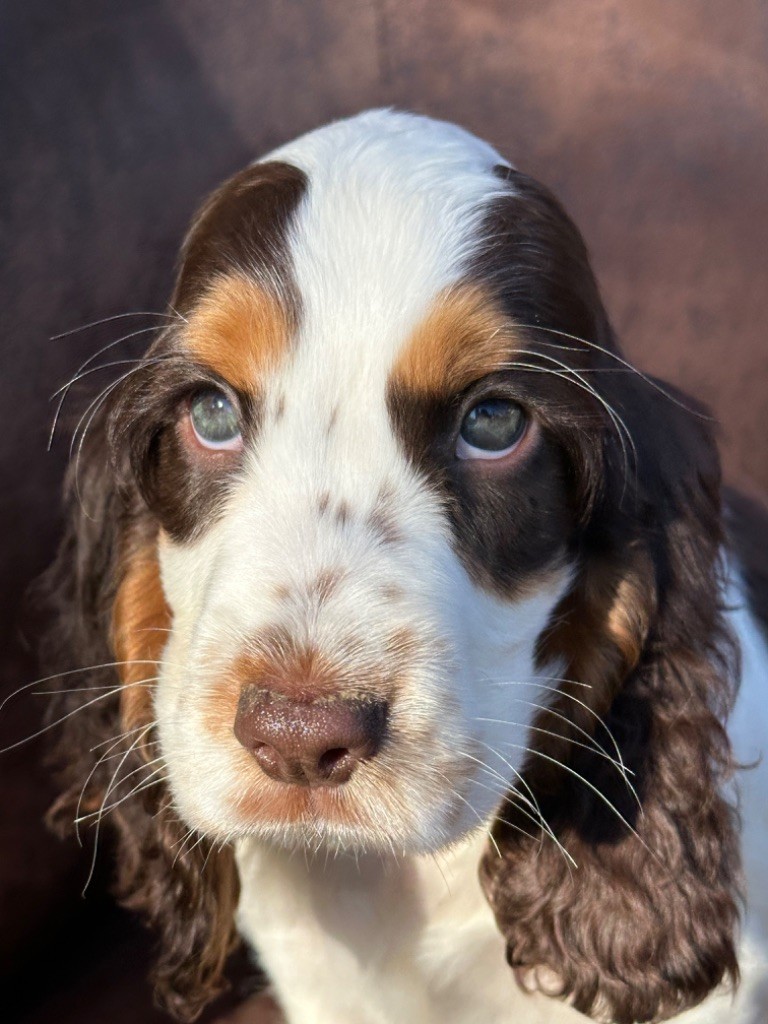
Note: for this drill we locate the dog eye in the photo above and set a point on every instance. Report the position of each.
(214, 420)
(490, 429)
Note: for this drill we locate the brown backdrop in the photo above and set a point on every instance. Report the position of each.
(649, 118)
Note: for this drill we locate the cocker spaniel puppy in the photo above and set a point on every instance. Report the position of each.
(438, 676)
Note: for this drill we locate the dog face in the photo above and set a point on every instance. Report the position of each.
(390, 535)
(381, 522)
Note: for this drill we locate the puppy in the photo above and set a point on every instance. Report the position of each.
(441, 680)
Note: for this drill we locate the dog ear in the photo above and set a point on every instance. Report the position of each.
(642, 925)
(109, 622)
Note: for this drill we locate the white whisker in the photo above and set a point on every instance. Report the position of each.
(64, 390)
(72, 672)
(111, 319)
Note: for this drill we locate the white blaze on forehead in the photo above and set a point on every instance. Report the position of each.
(390, 219)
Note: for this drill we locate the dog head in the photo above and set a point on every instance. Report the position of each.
(393, 544)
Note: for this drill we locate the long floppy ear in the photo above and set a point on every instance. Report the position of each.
(644, 925)
(110, 623)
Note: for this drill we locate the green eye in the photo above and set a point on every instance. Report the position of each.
(214, 420)
(490, 429)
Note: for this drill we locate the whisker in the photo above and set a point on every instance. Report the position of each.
(73, 672)
(101, 809)
(434, 858)
(182, 838)
(52, 725)
(115, 688)
(589, 785)
(211, 847)
(95, 405)
(501, 794)
(596, 747)
(181, 844)
(598, 752)
(104, 394)
(147, 783)
(484, 824)
(93, 770)
(570, 696)
(178, 314)
(614, 355)
(117, 783)
(571, 376)
(542, 820)
(64, 391)
(111, 319)
(122, 736)
(573, 725)
(571, 371)
(105, 348)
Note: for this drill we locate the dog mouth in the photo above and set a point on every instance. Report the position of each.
(380, 808)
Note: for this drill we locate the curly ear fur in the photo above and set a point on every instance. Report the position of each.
(644, 926)
(107, 606)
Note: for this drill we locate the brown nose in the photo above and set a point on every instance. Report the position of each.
(308, 743)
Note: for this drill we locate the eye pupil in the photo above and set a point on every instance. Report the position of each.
(493, 425)
(214, 418)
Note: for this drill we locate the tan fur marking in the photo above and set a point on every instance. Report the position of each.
(629, 616)
(239, 330)
(140, 622)
(463, 338)
(302, 672)
(598, 633)
(276, 803)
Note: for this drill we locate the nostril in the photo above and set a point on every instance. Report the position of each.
(335, 763)
(269, 759)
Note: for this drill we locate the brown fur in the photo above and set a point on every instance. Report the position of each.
(644, 927)
(140, 623)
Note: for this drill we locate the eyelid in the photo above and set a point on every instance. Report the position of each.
(214, 384)
(231, 445)
(466, 451)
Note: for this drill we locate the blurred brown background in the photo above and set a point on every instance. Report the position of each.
(648, 118)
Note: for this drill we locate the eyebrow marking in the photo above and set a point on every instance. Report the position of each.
(463, 337)
(239, 330)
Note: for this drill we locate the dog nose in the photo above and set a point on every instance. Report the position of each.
(308, 743)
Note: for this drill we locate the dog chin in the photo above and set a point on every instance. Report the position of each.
(318, 835)
(333, 822)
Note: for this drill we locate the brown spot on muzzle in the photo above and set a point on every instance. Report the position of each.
(325, 584)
